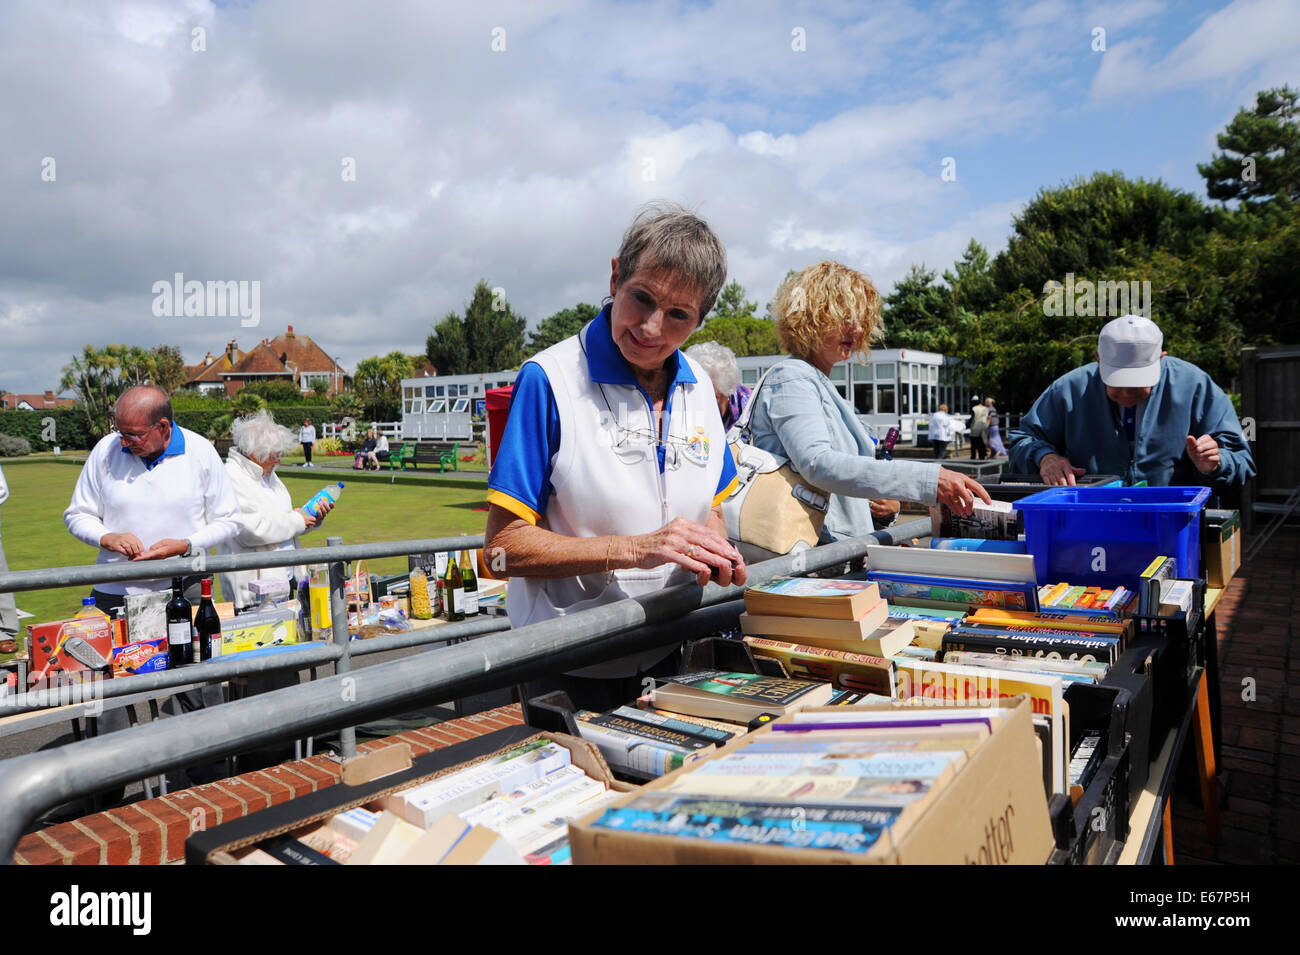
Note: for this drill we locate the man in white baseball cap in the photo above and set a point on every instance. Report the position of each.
(1129, 352)
(1137, 413)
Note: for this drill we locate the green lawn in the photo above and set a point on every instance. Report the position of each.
(31, 522)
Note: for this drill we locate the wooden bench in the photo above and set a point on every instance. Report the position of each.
(442, 453)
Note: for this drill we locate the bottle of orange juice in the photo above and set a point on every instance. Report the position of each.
(321, 619)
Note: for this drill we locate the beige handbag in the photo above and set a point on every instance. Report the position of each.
(772, 511)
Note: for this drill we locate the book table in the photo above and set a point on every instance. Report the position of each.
(1150, 825)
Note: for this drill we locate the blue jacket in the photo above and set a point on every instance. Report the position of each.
(1075, 418)
(799, 415)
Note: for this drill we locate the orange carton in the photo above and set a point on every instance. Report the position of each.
(45, 643)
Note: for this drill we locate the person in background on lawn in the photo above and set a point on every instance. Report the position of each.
(720, 363)
(380, 453)
(268, 521)
(1138, 413)
(979, 429)
(362, 459)
(8, 608)
(307, 437)
(941, 428)
(996, 448)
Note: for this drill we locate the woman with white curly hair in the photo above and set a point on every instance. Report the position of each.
(267, 519)
(724, 371)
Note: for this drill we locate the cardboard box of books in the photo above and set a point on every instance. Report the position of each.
(393, 820)
(1222, 546)
(882, 784)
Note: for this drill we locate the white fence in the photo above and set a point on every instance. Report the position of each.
(389, 429)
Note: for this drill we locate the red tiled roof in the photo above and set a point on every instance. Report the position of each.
(42, 402)
(262, 360)
(303, 354)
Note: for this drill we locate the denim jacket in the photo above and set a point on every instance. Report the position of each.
(1075, 418)
(799, 414)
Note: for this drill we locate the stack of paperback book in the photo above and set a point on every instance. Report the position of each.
(839, 631)
(512, 808)
(648, 742)
(827, 781)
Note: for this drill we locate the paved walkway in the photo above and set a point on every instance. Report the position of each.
(1259, 641)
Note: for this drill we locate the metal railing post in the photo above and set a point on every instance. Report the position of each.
(339, 616)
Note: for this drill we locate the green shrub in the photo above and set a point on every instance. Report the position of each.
(195, 401)
(11, 447)
(43, 430)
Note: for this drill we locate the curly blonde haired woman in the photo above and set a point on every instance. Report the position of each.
(826, 314)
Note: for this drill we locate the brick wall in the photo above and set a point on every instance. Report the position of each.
(153, 831)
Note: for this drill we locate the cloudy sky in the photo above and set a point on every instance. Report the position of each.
(513, 142)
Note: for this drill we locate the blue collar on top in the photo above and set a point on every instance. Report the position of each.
(607, 366)
(175, 446)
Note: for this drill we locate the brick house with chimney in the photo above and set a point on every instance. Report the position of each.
(287, 357)
(206, 375)
(44, 402)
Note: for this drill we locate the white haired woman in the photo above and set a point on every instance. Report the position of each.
(267, 518)
(720, 362)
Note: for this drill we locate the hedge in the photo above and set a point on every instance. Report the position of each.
(291, 417)
(71, 432)
(69, 428)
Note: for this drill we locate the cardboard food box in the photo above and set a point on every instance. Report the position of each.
(228, 843)
(252, 631)
(45, 643)
(1222, 546)
(992, 812)
(142, 656)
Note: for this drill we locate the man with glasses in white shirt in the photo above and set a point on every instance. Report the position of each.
(150, 490)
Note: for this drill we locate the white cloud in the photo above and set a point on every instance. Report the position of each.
(1255, 40)
(521, 167)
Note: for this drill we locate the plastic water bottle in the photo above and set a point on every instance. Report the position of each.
(88, 609)
(330, 492)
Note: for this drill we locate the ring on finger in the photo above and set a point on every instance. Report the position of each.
(690, 551)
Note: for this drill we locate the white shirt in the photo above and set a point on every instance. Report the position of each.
(381, 444)
(184, 495)
(307, 434)
(267, 521)
(940, 426)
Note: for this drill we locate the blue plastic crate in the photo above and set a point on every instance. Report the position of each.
(1104, 536)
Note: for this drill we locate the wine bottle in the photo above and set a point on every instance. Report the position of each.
(454, 592)
(180, 627)
(470, 582)
(207, 626)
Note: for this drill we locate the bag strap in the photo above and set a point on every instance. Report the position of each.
(742, 423)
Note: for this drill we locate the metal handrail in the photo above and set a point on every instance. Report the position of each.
(35, 783)
(218, 671)
(50, 577)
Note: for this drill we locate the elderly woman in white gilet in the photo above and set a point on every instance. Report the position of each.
(267, 518)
